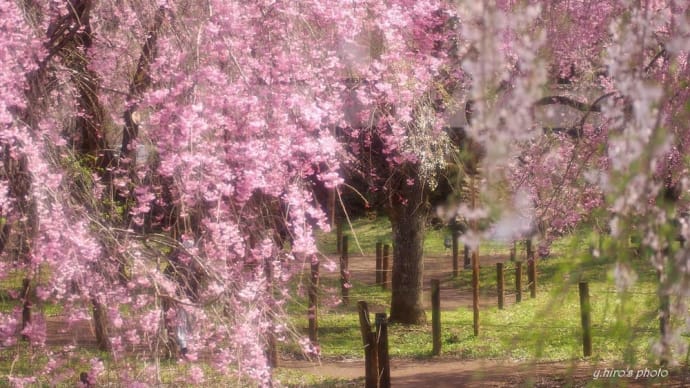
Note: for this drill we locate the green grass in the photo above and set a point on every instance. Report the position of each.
(367, 232)
(297, 378)
(22, 360)
(547, 328)
(10, 289)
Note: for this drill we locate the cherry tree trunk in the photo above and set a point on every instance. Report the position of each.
(408, 221)
(100, 322)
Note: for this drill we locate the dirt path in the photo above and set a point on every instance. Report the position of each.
(442, 373)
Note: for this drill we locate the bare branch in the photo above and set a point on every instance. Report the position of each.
(563, 100)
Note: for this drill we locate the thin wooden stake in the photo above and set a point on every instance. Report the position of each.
(466, 257)
(384, 370)
(339, 236)
(532, 278)
(331, 206)
(345, 273)
(271, 343)
(585, 312)
(313, 304)
(379, 261)
(499, 285)
(370, 348)
(26, 305)
(384, 266)
(664, 316)
(455, 235)
(518, 282)
(436, 315)
(475, 291)
(475, 262)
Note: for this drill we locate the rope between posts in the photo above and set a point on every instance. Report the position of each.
(508, 289)
(511, 327)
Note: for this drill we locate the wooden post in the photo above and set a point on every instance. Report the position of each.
(379, 261)
(475, 290)
(384, 372)
(271, 343)
(26, 305)
(345, 274)
(369, 340)
(532, 278)
(455, 235)
(331, 205)
(518, 282)
(475, 259)
(436, 315)
(338, 236)
(513, 251)
(313, 304)
(499, 285)
(466, 257)
(585, 312)
(384, 266)
(531, 269)
(664, 316)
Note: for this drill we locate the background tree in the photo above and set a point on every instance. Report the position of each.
(394, 139)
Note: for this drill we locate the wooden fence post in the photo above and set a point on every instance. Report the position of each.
(436, 315)
(475, 289)
(369, 340)
(331, 206)
(499, 285)
(272, 345)
(532, 278)
(27, 305)
(379, 261)
(466, 257)
(384, 372)
(345, 273)
(339, 236)
(513, 251)
(518, 282)
(585, 312)
(384, 266)
(455, 235)
(313, 303)
(664, 316)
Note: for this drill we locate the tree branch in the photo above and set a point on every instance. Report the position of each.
(658, 55)
(563, 100)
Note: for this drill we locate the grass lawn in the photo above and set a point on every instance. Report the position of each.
(548, 328)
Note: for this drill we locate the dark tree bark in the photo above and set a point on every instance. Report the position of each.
(408, 214)
(100, 322)
(89, 135)
(26, 227)
(26, 305)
